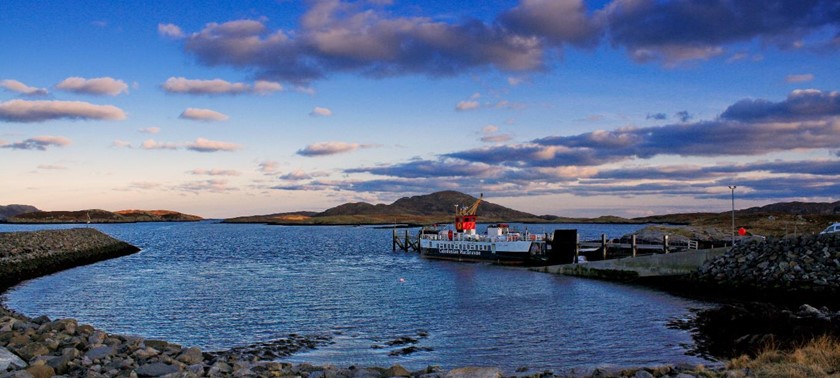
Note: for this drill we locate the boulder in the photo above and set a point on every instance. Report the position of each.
(191, 356)
(41, 371)
(397, 371)
(474, 372)
(10, 360)
(156, 369)
(32, 350)
(100, 352)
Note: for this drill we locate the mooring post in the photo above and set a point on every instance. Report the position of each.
(577, 248)
(604, 244)
(665, 243)
(633, 244)
(394, 240)
(406, 240)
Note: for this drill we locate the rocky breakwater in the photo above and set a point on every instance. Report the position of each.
(25, 255)
(798, 266)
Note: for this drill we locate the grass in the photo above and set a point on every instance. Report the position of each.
(819, 357)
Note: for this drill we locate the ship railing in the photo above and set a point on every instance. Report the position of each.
(486, 238)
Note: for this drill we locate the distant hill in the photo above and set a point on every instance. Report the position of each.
(12, 210)
(102, 216)
(437, 207)
(791, 218)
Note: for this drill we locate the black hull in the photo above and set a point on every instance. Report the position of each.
(499, 258)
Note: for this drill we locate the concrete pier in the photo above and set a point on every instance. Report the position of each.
(658, 265)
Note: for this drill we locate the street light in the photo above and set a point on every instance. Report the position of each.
(732, 188)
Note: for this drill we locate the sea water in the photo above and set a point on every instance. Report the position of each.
(218, 286)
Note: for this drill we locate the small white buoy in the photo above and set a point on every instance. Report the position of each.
(402, 279)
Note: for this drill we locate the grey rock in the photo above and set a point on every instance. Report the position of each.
(474, 372)
(197, 369)
(191, 356)
(643, 374)
(99, 352)
(9, 359)
(32, 350)
(156, 369)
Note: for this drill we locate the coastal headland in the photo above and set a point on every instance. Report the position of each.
(100, 216)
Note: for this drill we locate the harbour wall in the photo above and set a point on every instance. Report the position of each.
(26, 255)
(629, 268)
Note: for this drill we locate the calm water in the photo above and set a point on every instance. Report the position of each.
(218, 286)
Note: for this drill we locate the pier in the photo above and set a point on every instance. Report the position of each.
(628, 268)
(409, 243)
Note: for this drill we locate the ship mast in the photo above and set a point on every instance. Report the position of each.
(465, 217)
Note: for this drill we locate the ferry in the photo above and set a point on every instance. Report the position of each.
(499, 244)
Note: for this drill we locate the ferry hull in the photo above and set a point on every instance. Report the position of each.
(524, 254)
(499, 258)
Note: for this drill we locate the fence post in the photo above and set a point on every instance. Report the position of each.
(633, 244)
(665, 243)
(604, 244)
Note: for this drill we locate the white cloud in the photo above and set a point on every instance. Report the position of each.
(40, 111)
(215, 86)
(331, 148)
(18, 87)
(214, 172)
(206, 145)
(39, 143)
(320, 112)
(97, 86)
(183, 85)
(170, 31)
(467, 105)
(206, 115)
(268, 167)
(121, 144)
(150, 130)
(151, 144)
(212, 186)
(801, 78)
(265, 87)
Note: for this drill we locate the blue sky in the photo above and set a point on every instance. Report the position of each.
(577, 108)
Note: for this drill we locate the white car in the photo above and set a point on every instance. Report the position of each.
(831, 229)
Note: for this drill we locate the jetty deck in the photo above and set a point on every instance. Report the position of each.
(656, 265)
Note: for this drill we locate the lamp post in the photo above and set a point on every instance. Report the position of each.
(732, 188)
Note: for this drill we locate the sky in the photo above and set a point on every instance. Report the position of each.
(563, 107)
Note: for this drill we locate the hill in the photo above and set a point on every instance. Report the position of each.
(780, 219)
(437, 207)
(102, 216)
(12, 210)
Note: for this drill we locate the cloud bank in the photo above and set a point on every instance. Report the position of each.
(337, 36)
(97, 86)
(40, 111)
(38, 143)
(331, 148)
(205, 115)
(18, 87)
(183, 85)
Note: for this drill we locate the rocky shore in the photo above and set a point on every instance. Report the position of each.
(25, 255)
(797, 267)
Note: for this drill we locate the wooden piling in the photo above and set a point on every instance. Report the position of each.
(394, 240)
(665, 243)
(633, 244)
(604, 244)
